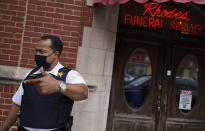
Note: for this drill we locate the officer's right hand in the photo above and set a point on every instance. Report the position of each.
(46, 84)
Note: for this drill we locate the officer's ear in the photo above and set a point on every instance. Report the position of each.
(57, 53)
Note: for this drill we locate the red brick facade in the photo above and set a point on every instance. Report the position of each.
(6, 93)
(22, 22)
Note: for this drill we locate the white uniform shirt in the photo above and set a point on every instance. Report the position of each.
(73, 77)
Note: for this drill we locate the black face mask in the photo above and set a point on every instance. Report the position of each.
(41, 61)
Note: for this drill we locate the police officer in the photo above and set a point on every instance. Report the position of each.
(46, 95)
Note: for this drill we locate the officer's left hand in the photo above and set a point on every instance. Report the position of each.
(46, 84)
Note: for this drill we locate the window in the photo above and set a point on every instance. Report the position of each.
(137, 78)
(187, 83)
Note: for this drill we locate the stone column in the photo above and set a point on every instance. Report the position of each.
(95, 62)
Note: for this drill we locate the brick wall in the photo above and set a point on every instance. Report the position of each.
(11, 27)
(6, 93)
(22, 22)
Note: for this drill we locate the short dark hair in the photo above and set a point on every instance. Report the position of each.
(56, 43)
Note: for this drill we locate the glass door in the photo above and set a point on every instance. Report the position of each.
(185, 109)
(135, 100)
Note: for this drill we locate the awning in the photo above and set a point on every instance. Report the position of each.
(112, 2)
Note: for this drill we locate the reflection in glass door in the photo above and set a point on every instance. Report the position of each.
(187, 83)
(137, 78)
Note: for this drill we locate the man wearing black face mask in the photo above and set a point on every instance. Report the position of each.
(41, 61)
(46, 95)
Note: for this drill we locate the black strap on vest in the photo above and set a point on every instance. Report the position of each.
(32, 71)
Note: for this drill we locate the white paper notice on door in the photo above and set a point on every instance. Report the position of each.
(185, 100)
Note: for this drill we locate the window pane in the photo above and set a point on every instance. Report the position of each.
(137, 78)
(187, 83)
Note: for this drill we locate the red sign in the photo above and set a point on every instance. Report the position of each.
(154, 9)
(154, 15)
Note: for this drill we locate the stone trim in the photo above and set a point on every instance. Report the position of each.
(12, 75)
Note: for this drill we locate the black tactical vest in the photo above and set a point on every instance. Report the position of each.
(45, 111)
